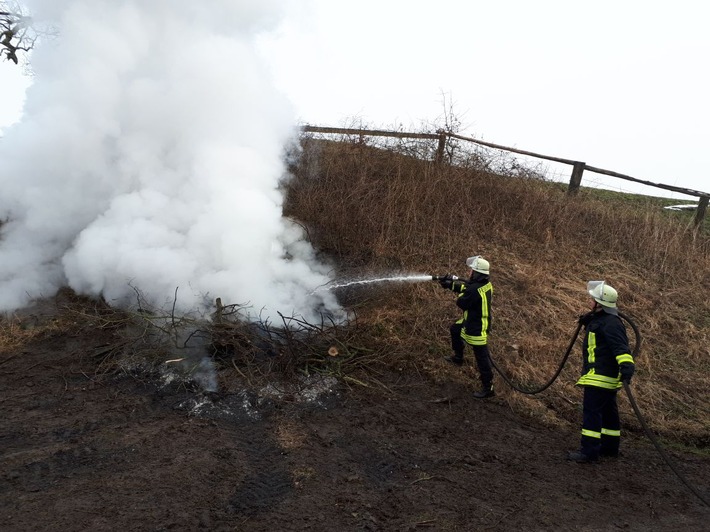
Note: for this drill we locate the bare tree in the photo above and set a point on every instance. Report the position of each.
(17, 33)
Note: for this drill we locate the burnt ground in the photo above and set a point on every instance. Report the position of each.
(83, 449)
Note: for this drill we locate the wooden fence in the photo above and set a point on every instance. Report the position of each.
(578, 167)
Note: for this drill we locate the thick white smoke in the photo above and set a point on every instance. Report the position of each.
(149, 156)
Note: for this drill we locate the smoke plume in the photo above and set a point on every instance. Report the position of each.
(149, 158)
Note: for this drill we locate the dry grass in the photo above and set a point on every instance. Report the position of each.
(377, 212)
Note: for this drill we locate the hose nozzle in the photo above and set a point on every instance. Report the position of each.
(443, 277)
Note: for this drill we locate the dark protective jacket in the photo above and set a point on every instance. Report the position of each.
(605, 346)
(474, 298)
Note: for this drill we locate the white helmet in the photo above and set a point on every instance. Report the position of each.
(478, 264)
(602, 293)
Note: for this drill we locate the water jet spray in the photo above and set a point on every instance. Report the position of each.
(398, 278)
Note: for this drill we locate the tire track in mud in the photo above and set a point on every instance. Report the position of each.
(269, 481)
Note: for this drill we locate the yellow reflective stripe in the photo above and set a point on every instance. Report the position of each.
(625, 358)
(484, 307)
(601, 378)
(591, 433)
(481, 339)
(591, 347)
(600, 381)
(609, 432)
(474, 340)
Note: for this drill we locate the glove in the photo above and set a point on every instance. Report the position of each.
(627, 371)
(447, 281)
(584, 319)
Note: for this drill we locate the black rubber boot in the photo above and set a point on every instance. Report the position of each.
(485, 393)
(454, 359)
(609, 454)
(580, 457)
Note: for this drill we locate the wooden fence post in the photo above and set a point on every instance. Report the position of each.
(576, 178)
(700, 213)
(441, 147)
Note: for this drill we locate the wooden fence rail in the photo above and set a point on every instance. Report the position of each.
(578, 167)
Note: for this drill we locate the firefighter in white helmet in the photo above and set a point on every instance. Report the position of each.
(474, 298)
(607, 361)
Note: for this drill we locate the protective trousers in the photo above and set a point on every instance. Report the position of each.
(483, 358)
(600, 422)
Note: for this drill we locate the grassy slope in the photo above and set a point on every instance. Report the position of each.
(376, 212)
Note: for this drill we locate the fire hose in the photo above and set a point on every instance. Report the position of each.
(627, 389)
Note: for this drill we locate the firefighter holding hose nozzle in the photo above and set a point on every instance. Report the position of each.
(474, 298)
(607, 361)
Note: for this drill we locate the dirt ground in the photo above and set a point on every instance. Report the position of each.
(88, 450)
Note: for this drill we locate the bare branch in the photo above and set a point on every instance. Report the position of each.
(18, 32)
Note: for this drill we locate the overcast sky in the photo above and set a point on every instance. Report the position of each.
(621, 85)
